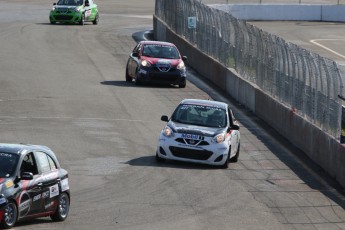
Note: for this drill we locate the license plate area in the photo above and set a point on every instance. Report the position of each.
(191, 136)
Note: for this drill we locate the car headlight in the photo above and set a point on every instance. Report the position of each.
(145, 63)
(181, 65)
(167, 131)
(77, 9)
(53, 9)
(220, 138)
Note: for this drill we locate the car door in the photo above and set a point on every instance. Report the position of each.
(28, 202)
(50, 175)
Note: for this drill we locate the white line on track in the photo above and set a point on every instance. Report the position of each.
(315, 41)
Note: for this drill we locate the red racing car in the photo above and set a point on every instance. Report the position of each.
(156, 62)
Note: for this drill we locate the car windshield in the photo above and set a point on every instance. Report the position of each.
(200, 115)
(8, 163)
(70, 2)
(160, 51)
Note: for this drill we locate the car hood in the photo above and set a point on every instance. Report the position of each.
(194, 129)
(153, 61)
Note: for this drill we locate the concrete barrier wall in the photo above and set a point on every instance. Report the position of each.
(319, 146)
(291, 12)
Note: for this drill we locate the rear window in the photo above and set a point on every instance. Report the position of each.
(8, 164)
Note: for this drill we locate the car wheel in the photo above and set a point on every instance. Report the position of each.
(95, 22)
(159, 159)
(51, 22)
(182, 85)
(82, 20)
(10, 215)
(235, 158)
(136, 79)
(128, 78)
(62, 209)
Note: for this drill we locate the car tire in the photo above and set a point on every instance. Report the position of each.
(235, 158)
(53, 23)
(82, 20)
(62, 209)
(95, 22)
(159, 159)
(182, 85)
(128, 78)
(136, 80)
(10, 215)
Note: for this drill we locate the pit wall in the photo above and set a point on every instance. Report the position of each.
(324, 150)
(293, 12)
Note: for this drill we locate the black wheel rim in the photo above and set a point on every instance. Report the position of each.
(10, 214)
(63, 206)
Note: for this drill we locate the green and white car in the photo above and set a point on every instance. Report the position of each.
(74, 11)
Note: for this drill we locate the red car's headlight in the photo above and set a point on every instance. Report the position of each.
(145, 63)
(181, 65)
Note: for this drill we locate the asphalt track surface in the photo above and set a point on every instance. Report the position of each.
(64, 86)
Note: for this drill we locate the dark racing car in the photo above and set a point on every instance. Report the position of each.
(32, 184)
(156, 62)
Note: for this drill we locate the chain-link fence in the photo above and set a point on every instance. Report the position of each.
(302, 80)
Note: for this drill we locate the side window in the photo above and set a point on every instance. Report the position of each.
(51, 163)
(136, 48)
(29, 164)
(42, 162)
(231, 117)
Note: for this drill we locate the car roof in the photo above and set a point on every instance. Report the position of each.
(22, 148)
(157, 43)
(218, 104)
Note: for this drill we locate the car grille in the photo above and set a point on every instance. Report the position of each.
(162, 77)
(63, 17)
(63, 11)
(191, 142)
(190, 153)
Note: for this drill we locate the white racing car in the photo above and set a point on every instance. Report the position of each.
(200, 131)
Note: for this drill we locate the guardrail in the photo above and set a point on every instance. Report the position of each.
(304, 81)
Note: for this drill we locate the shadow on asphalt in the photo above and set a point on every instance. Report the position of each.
(131, 84)
(151, 162)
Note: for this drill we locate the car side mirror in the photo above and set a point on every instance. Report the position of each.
(26, 176)
(184, 58)
(235, 127)
(135, 54)
(54, 4)
(165, 118)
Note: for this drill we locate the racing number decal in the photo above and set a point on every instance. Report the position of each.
(54, 191)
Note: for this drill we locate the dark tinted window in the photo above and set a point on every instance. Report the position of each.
(8, 164)
(160, 51)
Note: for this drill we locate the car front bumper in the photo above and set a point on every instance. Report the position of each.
(177, 148)
(72, 17)
(153, 75)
